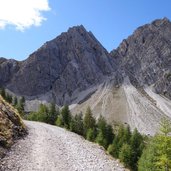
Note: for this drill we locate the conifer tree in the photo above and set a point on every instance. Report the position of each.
(125, 154)
(109, 134)
(157, 154)
(52, 114)
(59, 121)
(91, 134)
(104, 133)
(89, 121)
(136, 143)
(76, 124)
(66, 116)
(42, 113)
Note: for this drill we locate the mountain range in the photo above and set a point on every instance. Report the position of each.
(131, 84)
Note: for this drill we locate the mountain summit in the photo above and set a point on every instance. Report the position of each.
(63, 67)
(146, 56)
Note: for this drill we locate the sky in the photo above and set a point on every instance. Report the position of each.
(25, 25)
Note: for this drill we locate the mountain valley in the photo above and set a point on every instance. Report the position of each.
(131, 84)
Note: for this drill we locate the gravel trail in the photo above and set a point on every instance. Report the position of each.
(50, 148)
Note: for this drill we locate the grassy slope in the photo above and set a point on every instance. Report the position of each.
(11, 125)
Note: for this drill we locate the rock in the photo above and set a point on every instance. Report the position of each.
(70, 63)
(7, 69)
(145, 56)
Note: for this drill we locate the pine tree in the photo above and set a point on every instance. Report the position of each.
(125, 155)
(80, 126)
(42, 113)
(104, 133)
(157, 154)
(165, 126)
(147, 159)
(127, 134)
(59, 121)
(20, 106)
(89, 121)
(109, 134)
(136, 143)
(90, 134)
(119, 140)
(101, 139)
(52, 114)
(101, 124)
(76, 124)
(111, 150)
(66, 116)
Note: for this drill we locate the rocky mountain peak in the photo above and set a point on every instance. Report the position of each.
(70, 63)
(80, 29)
(160, 22)
(146, 55)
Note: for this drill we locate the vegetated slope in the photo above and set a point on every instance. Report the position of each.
(130, 85)
(11, 126)
(52, 148)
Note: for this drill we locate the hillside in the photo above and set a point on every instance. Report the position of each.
(11, 126)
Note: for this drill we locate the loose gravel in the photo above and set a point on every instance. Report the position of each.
(50, 148)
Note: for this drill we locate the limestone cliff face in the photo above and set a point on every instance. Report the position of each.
(145, 56)
(73, 61)
(8, 68)
(11, 125)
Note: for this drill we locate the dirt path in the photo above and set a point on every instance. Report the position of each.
(50, 148)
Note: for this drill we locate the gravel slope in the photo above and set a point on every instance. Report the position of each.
(50, 148)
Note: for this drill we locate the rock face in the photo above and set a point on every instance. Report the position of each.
(8, 68)
(70, 63)
(11, 125)
(145, 56)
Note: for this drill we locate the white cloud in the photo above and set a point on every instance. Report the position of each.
(22, 13)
